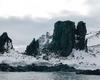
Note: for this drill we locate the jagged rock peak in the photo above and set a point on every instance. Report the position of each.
(32, 48)
(5, 43)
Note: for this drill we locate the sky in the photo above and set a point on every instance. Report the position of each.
(26, 19)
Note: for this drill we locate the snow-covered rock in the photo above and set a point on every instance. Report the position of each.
(44, 40)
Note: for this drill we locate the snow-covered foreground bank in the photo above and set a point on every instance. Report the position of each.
(77, 59)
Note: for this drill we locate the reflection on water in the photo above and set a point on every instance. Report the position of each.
(45, 76)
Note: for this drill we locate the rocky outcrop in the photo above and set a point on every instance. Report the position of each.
(33, 67)
(44, 40)
(32, 48)
(63, 38)
(66, 37)
(5, 43)
(37, 47)
(81, 42)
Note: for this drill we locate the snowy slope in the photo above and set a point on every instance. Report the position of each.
(93, 38)
(84, 61)
(20, 48)
(14, 58)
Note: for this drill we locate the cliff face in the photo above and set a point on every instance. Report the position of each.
(63, 38)
(5, 43)
(81, 31)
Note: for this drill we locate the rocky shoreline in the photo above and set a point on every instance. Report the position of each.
(61, 67)
(89, 72)
(7, 68)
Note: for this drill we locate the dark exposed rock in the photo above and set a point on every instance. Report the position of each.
(81, 31)
(32, 48)
(60, 67)
(88, 72)
(33, 67)
(5, 43)
(63, 38)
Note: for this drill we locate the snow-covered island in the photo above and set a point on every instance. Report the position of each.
(81, 53)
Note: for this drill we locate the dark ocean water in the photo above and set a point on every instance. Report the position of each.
(45, 76)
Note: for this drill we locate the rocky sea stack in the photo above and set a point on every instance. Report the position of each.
(63, 38)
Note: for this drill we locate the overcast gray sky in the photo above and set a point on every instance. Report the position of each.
(26, 19)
